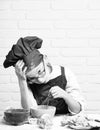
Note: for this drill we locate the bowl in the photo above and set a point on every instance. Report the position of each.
(40, 110)
(16, 116)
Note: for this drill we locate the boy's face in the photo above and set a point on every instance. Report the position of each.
(37, 74)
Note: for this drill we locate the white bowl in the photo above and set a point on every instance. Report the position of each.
(40, 110)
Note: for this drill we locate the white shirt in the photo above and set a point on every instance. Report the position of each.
(72, 87)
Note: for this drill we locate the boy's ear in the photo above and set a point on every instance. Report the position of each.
(45, 56)
(46, 59)
(47, 62)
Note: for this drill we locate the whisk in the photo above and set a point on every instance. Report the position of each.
(47, 100)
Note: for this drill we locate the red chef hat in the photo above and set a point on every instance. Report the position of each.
(25, 49)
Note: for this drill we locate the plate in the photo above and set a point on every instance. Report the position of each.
(79, 127)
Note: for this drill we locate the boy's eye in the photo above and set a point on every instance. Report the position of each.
(39, 72)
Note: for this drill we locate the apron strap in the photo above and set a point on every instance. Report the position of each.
(62, 71)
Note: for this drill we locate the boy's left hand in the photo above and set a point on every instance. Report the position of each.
(57, 92)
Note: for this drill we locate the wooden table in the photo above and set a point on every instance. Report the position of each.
(56, 125)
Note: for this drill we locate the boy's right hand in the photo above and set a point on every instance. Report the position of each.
(20, 69)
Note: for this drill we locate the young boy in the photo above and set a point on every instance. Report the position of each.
(39, 78)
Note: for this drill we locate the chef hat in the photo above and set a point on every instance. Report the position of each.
(25, 49)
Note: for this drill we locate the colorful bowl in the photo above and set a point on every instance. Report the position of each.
(16, 116)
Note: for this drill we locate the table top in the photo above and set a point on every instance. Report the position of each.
(56, 125)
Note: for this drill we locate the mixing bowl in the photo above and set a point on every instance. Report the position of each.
(16, 116)
(38, 111)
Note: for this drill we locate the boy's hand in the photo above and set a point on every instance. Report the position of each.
(20, 69)
(57, 92)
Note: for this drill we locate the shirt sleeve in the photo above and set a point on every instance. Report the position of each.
(73, 88)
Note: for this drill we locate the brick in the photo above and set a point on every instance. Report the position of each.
(35, 24)
(13, 79)
(31, 5)
(94, 42)
(93, 105)
(4, 79)
(92, 96)
(7, 43)
(2, 60)
(15, 97)
(81, 79)
(72, 24)
(82, 14)
(80, 52)
(92, 112)
(12, 15)
(63, 16)
(93, 61)
(9, 104)
(72, 61)
(55, 60)
(91, 79)
(55, 52)
(93, 70)
(1, 113)
(93, 14)
(9, 34)
(69, 43)
(79, 69)
(46, 43)
(7, 71)
(15, 88)
(4, 5)
(43, 33)
(9, 87)
(87, 33)
(3, 51)
(66, 4)
(5, 105)
(15, 104)
(94, 4)
(47, 15)
(90, 87)
(51, 33)
(5, 97)
(95, 24)
(8, 24)
(83, 69)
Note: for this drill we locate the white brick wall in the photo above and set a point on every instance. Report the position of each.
(71, 33)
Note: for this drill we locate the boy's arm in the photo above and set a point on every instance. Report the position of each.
(27, 98)
(73, 89)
